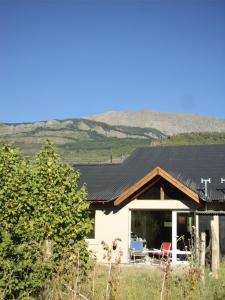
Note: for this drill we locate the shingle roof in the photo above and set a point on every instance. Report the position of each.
(188, 164)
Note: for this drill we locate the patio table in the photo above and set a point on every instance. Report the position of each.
(180, 253)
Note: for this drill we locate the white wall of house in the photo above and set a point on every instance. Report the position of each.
(114, 222)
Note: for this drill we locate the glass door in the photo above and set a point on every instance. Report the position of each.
(185, 231)
(183, 223)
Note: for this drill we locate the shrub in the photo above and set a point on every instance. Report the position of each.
(44, 216)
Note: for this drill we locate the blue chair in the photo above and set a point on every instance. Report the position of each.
(137, 251)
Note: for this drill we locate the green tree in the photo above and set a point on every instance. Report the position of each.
(39, 201)
(61, 211)
(21, 269)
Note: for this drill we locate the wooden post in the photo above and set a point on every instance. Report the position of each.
(202, 252)
(162, 193)
(197, 241)
(215, 244)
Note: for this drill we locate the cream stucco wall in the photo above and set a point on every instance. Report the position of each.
(113, 222)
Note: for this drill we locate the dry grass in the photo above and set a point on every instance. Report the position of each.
(140, 282)
(135, 282)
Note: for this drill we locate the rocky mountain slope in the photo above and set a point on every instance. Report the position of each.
(70, 130)
(78, 140)
(84, 140)
(168, 123)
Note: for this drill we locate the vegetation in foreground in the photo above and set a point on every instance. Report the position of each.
(139, 282)
(43, 254)
(44, 222)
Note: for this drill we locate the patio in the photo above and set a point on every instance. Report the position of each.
(152, 229)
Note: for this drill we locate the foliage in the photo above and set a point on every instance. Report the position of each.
(112, 254)
(39, 201)
(61, 214)
(18, 251)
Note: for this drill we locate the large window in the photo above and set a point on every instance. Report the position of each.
(154, 227)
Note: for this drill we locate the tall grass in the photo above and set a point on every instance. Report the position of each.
(140, 282)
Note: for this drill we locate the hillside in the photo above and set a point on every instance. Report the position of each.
(74, 129)
(79, 140)
(193, 138)
(168, 123)
(82, 140)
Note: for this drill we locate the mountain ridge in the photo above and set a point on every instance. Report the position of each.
(78, 139)
(84, 140)
(82, 125)
(167, 122)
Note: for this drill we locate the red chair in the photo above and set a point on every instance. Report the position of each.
(164, 251)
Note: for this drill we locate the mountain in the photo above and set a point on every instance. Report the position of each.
(168, 123)
(85, 140)
(74, 129)
(78, 140)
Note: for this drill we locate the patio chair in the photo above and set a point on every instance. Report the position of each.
(137, 252)
(164, 251)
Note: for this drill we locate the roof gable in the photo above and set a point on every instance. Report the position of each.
(151, 175)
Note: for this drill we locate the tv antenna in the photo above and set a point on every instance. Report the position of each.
(206, 181)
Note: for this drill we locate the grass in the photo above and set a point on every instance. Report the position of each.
(140, 282)
(134, 283)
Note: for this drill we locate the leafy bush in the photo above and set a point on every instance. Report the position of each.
(43, 216)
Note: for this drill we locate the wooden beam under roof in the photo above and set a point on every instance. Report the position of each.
(162, 192)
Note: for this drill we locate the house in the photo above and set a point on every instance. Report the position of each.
(158, 194)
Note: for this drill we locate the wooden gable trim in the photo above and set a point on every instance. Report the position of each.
(157, 171)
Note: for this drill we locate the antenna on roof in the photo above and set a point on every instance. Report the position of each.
(222, 180)
(206, 181)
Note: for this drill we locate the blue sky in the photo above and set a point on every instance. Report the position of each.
(69, 59)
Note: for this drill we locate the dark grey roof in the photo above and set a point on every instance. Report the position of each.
(211, 212)
(188, 164)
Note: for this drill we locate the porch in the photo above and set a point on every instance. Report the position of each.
(181, 228)
(152, 228)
